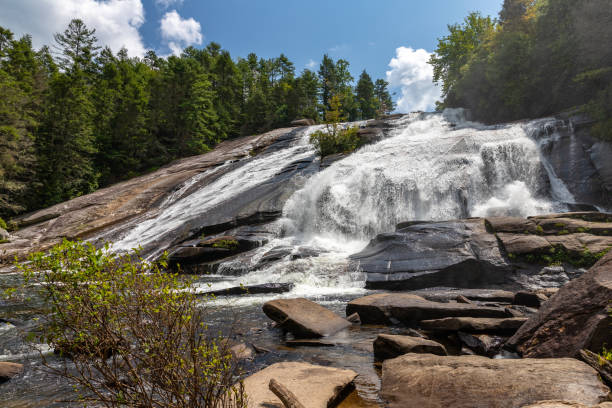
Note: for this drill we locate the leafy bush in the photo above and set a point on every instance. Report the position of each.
(134, 333)
(3, 224)
(335, 138)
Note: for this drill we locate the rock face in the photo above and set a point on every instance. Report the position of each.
(390, 346)
(429, 381)
(474, 324)
(313, 386)
(304, 318)
(574, 318)
(107, 208)
(384, 308)
(453, 254)
(251, 289)
(580, 160)
(9, 370)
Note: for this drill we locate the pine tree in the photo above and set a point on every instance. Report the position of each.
(365, 96)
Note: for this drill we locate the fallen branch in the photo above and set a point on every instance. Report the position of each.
(287, 397)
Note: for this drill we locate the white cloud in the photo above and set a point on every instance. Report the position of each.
(311, 64)
(411, 73)
(116, 21)
(168, 3)
(179, 33)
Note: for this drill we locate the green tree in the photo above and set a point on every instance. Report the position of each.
(66, 140)
(455, 50)
(365, 96)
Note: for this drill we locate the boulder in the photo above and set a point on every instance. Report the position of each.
(304, 318)
(390, 346)
(428, 381)
(459, 254)
(314, 386)
(242, 351)
(383, 308)
(576, 317)
(9, 370)
(4, 235)
(515, 225)
(474, 324)
(303, 122)
(529, 299)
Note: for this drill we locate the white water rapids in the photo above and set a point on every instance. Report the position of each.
(430, 167)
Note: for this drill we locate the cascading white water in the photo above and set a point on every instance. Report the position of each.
(430, 167)
(174, 214)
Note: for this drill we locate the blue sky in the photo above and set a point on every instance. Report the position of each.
(369, 34)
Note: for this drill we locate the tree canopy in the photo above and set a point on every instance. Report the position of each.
(75, 116)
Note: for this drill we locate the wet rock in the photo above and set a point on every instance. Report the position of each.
(251, 290)
(474, 324)
(592, 216)
(303, 122)
(576, 317)
(450, 254)
(370, 135)
(529, 299)
(482, 344)
(390, 346)
(382, 308)
(314, 386)
(555, 226)
(9, 370)
(481, 382)
(304, 318)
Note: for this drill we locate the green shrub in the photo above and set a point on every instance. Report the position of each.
(335, 139)
(3, 224)
(135, 333)
(540, 230)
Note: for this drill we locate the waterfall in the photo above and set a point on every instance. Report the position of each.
(433, 167)
(430, 166)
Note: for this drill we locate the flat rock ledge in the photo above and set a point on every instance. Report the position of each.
(428, 381)
(304, 318)
(385, 308)
(474, 324)
(314, 386)
(388, 346)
